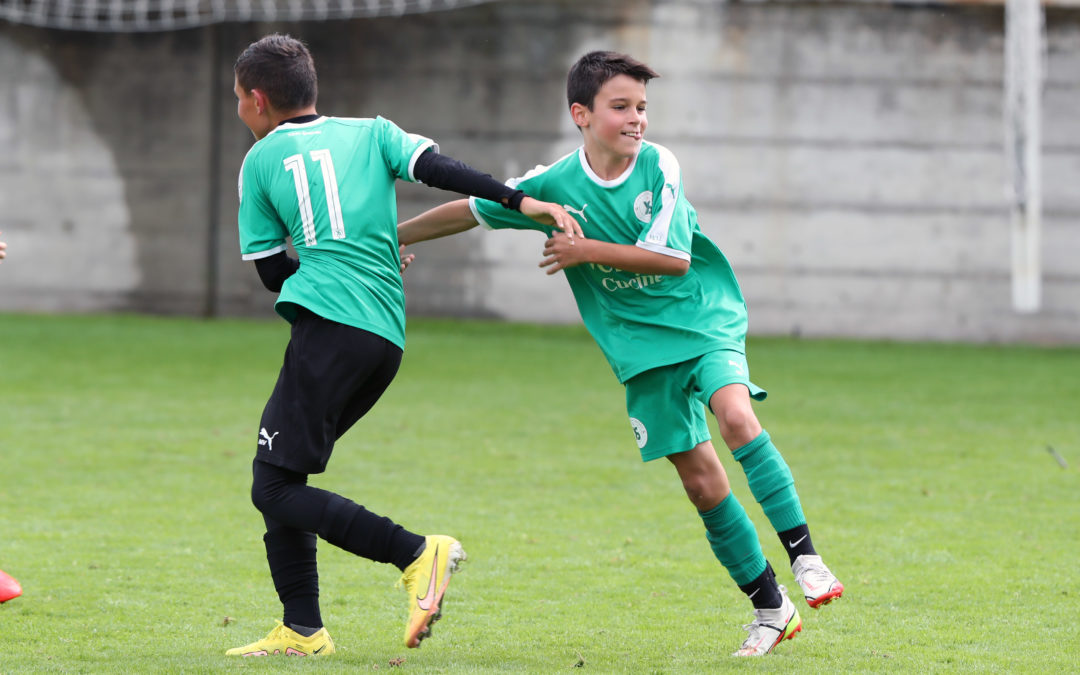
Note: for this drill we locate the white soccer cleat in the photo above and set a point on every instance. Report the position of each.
(819, 585)
(771, 627)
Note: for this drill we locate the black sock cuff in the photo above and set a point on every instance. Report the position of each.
(763, 591)
(797, 542)
(306, 631)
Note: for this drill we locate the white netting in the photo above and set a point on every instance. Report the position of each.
(126, 16)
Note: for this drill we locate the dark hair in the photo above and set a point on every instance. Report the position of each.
(595, 68)
(282, 68)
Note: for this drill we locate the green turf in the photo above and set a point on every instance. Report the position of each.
(126, 445)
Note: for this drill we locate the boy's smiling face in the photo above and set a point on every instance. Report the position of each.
(617, 121)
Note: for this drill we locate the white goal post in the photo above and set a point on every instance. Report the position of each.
(1025, 59)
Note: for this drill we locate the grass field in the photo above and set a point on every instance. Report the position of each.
(924, 470)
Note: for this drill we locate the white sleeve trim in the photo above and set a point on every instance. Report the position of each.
(664, 250)
(669, 168)
(416, 155)
(264, 254)
(476, 213)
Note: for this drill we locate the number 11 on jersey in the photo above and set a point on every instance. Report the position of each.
(295, 165)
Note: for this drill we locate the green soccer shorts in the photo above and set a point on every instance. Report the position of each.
(668, 405)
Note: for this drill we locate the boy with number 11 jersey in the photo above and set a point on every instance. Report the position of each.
(327, 184)
(350, 279)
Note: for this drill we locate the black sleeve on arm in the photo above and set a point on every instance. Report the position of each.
(275, 269)
(448, 173)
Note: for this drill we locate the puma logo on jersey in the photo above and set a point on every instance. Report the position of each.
(580, 212)
(266, 439)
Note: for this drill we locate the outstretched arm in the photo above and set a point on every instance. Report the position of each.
(441, 221)
(561, 252)
(456, 216)
(449, 174)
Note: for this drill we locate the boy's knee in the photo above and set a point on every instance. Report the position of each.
(705, 488)
(706, 496)
(738, 425)
(260, 495)
(269, 485)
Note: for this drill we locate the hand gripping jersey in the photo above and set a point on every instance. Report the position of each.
(640, 321)
(328, 185)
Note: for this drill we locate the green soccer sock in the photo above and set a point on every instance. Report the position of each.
(734, 541)
(771, 482)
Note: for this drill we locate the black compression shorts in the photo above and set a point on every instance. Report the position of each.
(332, 375)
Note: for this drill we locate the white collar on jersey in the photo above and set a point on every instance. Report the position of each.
(614, 182)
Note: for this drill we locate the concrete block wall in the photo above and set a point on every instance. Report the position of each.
(103, 182)
(847, 157)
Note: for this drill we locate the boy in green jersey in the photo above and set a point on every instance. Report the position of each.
(327, 183)
(664, 306)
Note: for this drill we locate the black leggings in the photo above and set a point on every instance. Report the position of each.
(294, 513)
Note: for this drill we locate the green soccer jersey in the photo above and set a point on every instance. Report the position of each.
(640, 321)
(328, 185)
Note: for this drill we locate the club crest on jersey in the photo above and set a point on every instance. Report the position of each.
(643, 206)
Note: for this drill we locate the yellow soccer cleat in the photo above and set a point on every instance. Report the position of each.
(425, 581)
(285, 641)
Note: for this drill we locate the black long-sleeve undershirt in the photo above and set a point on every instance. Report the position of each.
(447, 173)
(432, 169)
(275, 269)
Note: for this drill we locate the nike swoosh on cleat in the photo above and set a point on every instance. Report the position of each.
(793, 544)
(428, 600)
(319, 649)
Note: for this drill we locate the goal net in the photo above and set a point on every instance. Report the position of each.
(160, 15)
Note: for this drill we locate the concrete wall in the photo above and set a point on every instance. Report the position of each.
(848, 158)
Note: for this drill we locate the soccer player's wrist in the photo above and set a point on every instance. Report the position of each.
(513, 202)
